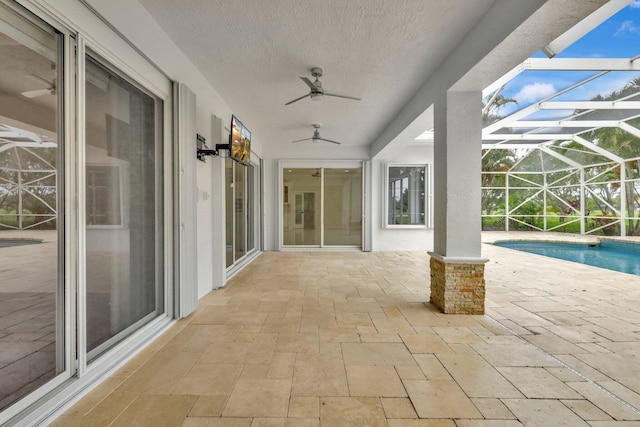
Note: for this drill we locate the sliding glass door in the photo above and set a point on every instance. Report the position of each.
(241, 205)
(32, 288)
(322, 206)
(124, 207)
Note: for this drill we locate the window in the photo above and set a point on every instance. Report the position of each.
(407, 196)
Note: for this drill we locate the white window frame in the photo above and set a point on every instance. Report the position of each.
(427, 196)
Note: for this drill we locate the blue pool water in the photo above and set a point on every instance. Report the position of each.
(618, 256)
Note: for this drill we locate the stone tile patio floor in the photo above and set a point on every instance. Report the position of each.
(349, 339)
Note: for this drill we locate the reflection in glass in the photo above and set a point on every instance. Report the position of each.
(124, 229)
(31, 288)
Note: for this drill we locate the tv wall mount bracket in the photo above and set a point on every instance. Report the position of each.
(203, 151)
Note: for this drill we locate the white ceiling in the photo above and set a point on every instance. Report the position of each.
(253, 52)
(383, 51)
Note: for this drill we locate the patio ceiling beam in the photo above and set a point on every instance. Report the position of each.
(589, 105)
(510, 146)
(629, 129)
(506, 78)
(583, 64)
(606, 153)
(560, 157)
(566, 123)
(528, 136)
(576, 32)
(506, 122)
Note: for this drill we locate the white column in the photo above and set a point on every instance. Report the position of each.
(457, 268)
(457, 174)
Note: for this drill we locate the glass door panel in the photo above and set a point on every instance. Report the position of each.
(301, 209)
(229, 201)
(124, 229)
(240, 211)
(343, 207)
(31, 246)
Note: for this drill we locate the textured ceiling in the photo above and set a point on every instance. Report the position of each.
(383, 51)
(253, 52)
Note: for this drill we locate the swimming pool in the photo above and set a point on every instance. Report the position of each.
(612, 255)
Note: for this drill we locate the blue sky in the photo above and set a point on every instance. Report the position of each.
(618, 37)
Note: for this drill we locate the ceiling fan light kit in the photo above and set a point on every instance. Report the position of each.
(316, 91)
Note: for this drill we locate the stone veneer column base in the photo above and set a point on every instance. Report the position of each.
(457, 287)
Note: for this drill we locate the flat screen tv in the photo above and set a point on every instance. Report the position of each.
(240, 143)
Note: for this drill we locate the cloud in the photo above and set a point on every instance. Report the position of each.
(627, 27)
(534, 92)
(635, 3)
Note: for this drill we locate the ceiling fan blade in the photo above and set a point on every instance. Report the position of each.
(300, 140)
(309, 83)
(339, 95)
(36, 93)
(298, 99)
(328, 140)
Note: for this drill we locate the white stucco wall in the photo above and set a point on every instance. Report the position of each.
(404, 150)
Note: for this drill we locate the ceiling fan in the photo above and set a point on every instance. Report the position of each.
(50, 90)
(316, 91)
(316, 136)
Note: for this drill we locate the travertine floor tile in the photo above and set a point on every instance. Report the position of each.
(297, 343)
(217, 422)
(376, 354)
(374, 381)
(477, 377)
(456, 335)
(604, 401)
(319, 376)
(281, 366)
(431, 367)
(440, 399)
(259, 398)
(537, 383)
(208, 406)
(151, 411)
(295, 330)
(208, 379)
(488, 423)
(398, 407)
(493, 409)
(304, 407)
(543, 413)
(425, 342)
(517, 354)
(586, 410)
(352, 411)
(160, 374)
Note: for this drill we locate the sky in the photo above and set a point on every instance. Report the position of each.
(618, 37)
